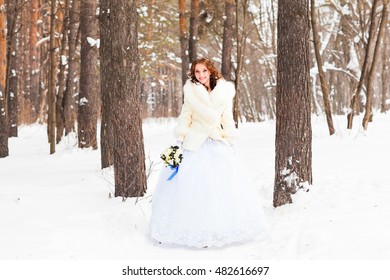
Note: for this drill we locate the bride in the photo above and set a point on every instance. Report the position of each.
(211, 200)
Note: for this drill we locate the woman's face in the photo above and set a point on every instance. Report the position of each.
(202, 74)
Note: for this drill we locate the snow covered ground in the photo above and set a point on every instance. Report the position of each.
(58, 207)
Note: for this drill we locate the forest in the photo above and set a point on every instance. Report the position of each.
(77, 64)
(90, 94)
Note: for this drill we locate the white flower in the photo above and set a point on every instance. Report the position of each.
(172, 156)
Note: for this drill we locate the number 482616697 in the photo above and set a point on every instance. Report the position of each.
(229, 270)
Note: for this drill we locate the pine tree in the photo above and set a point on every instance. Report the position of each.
(120, 58)
(293, 152)
(3, 70)
(89, 76)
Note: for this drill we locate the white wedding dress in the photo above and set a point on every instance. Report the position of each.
(209, 202)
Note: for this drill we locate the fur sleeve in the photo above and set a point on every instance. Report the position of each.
(184, 122)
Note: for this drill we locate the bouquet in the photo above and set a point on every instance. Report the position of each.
(172, 158)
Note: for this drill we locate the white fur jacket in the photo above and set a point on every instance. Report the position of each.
(206, 115)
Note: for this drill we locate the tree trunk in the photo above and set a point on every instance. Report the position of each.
(69, 99)
(25, 68)
(60, 119)
(3, 69)
(272, 20)
(12, 64)
(345, 37)
(52, 82)
(124, 83)
(89, 86)
(385, 71)
(44, 65)
(293, 152)
(227, 43)
(107, 124)
(371, 76)
(194, 24)
(34, 60)
(241, 44)
(324, 83)
(185, 62)
(365, 64)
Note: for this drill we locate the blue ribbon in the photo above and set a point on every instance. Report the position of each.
(174, 172)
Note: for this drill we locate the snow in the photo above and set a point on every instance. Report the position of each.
(209, 17)
(353, 64)
(61, 207)
(64, 60)
(328, 35)
(83, 101)
(43, 40)
(144, 9)
(253, 9)
(93, 42)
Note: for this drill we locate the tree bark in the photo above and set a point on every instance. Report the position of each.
(371, 75)
(194, 24)
(227, 42)
(69, 99)
(365, 66)
(241, 45)
(60, 119)
(293, 151)
(52, 81)
(89, 86)
(324, 83)
(3, 69)
(340, 84)
(129, 157)
(107, 124)
(12, 64)
(185, 62)
(34, 60)
(25, 68)
(385, 71)
(44, 65)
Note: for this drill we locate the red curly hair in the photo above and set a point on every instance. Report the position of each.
(215, 75)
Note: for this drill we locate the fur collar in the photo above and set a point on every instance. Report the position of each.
(209, 105)
(220, 95)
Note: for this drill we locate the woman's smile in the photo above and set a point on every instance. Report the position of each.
(202, 74)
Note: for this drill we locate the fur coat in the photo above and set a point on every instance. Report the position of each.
(206, 115)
